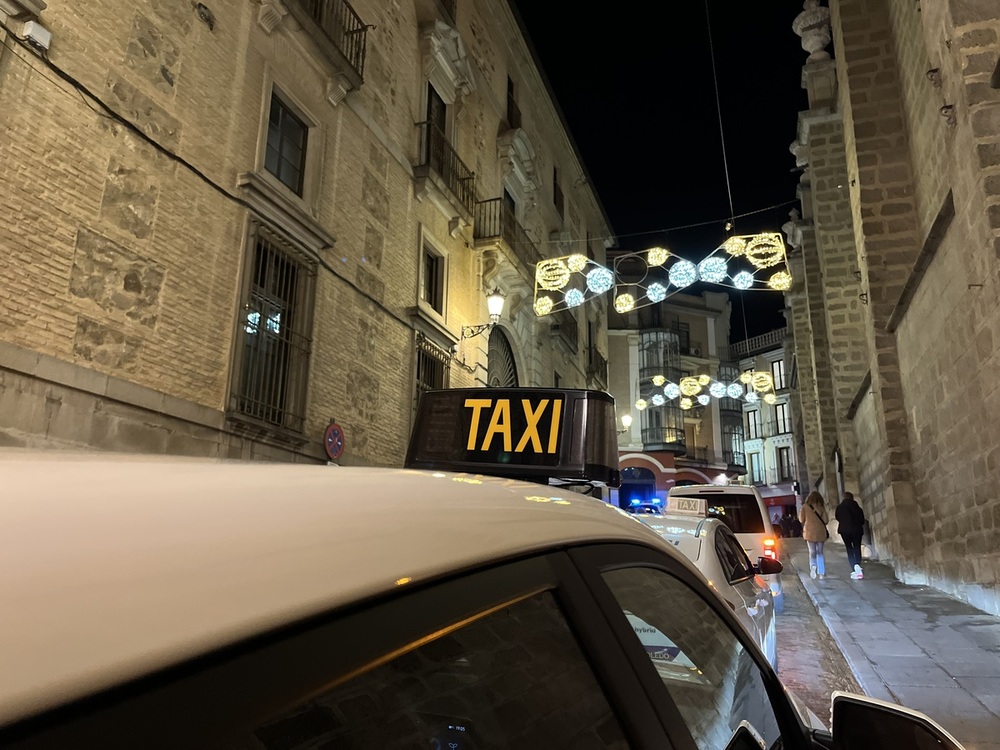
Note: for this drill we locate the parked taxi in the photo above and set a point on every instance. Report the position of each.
(176, 603)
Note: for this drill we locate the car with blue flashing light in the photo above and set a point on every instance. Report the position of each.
(181, 603)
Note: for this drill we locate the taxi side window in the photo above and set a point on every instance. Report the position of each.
(712, 679)
(732, 557)
(514, 678)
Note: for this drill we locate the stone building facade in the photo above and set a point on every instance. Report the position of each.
(229, 224)
(896, 318)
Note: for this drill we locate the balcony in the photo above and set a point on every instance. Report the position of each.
(779, 475)
(768, 429)
(440, 167)
(597, 366)
(757, 344)
(339, 32)
(494, 220)
(566, 328)
(663, 439)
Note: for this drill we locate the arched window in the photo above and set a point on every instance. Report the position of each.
(502, 371)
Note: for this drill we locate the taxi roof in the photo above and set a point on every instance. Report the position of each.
(114, 566)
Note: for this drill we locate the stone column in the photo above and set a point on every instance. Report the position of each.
(886, 237)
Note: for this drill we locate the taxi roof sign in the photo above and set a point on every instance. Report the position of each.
(686, 506)
(524, 433)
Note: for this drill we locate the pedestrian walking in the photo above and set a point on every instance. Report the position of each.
(814, 519)
(851, 527)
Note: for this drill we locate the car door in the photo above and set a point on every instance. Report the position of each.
(517, 655)
(713, 678)
(756, 594)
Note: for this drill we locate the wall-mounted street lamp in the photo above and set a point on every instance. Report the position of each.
(626, 423)
(494, 304)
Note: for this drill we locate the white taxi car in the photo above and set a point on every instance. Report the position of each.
(742, 509)
(716, 552)
(169, 603)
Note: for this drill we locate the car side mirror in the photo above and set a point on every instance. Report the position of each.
(768, 566)
(860, 721)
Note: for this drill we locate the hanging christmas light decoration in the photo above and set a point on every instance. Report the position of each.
(656, 292)
(552, 275)
(543, 306)
(713, 270)
(600, 280)
(717, 389)
(704, 399)
(743, 280)
(752, 398)
(765, 250)
(657, 256)
(686, 403)
(734, 390)
(574, 298)
(577, 263)
(624, 303)
(658, 399)
(641, 404)
(735, 246)
(671, 390)
(659, 380)
(780, 282)
(770, 398)
(690, 386)
(683, 273)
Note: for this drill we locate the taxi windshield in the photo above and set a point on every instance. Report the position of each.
(739, 512)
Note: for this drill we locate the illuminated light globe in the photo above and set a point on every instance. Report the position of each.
(574, 298)
(600, 280)
(683, 273)
(658, 400)
(770, 398)
(780, 282)
(761, 381)
(656, 292)
(752, 398)
(690, 386)
(624, 303)
(743, 280)
(657, 256)
(686, 403)
(704, 379)
(671, 390)
(735, 245)
(734, 390)
(659, 380)
(713, 270)
(552, 274)
(543, 305)
(576, 263)
(765, 250)
(641, 404)
(746, 376)
(704, 399)
(717, 389)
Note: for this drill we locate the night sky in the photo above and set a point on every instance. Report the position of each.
(634, 81)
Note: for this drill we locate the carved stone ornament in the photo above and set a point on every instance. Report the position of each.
(270, 14)
(22, 9)
(517, 158)
(446, 65)
(336, 89)
(801, 153)
(813, 25)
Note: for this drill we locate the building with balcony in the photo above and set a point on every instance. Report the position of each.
(773, 450)
(230, 225)
(664, 445)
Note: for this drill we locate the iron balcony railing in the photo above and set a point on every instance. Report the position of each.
(762, 343)
(495, 220)
(779, 475)
(663, 438)
(439, 155)
(597, 365)
(567, 328)
(734, 458)
(768, 428)
(344, 27)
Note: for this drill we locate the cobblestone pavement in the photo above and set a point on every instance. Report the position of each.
(809, 661)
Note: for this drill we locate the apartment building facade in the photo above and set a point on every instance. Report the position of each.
(261, 228)
(896, 240)
(661, 445)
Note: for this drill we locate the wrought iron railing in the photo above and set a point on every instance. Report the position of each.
(763, 342)
(597, 365)
(655, 438)
(494, 219)
(344, 27)
(439, 155)
(734, 458)
(567, 328)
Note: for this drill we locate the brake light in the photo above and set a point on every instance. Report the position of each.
(770, 548)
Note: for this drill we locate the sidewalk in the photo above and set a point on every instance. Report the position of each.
(911, 645)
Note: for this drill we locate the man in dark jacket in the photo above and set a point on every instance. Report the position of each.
(851, 526)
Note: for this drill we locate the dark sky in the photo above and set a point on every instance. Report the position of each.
(635, 83)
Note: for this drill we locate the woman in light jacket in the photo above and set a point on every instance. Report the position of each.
(814, 519)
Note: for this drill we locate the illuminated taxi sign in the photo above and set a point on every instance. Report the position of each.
(527, 433)
(687, 506)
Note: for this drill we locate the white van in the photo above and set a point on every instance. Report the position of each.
(742, 509)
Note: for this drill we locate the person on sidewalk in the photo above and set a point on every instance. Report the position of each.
(814, 519)
(851, 527)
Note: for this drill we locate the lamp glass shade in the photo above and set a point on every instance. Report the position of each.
(494, 303)
(626, 420)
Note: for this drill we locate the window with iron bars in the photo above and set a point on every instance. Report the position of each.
(432, 367)
(275, 330)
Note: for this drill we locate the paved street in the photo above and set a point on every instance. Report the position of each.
(911, 645)
(809, 661)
